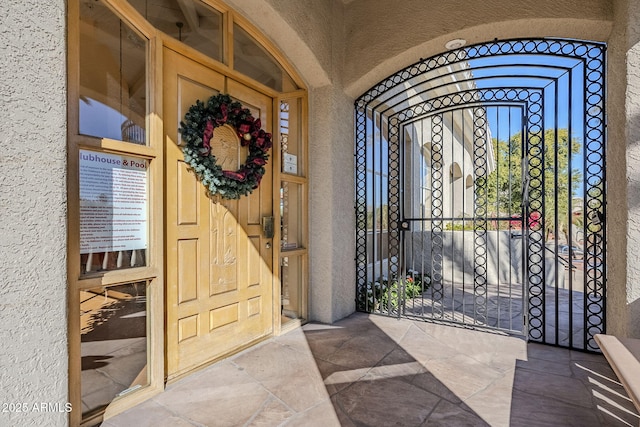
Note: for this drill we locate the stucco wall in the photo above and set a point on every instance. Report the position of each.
(33, 322)
(624, 139)
(384, 36)
(616, 177)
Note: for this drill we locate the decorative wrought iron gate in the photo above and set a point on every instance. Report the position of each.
(480, 190)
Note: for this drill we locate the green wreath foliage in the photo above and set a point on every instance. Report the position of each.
(198, 128)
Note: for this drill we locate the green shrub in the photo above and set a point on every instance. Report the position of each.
(385, 296)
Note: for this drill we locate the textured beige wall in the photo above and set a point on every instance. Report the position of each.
(384, 36)
(632, 283)
(617, 317)
(623, 307)
(33, 289)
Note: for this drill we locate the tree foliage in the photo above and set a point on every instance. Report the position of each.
(504, 185)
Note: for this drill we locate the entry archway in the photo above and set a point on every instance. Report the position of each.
(524, 120)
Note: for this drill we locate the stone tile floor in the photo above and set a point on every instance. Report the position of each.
(370, 370)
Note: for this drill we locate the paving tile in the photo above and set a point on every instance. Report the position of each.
(589, 370)
(497, 351)
(222, 395)
(529, 410)
(424, 347)
(322, 415)
(324, 343)
(288, 374)
(296, 340)
(446, 414)
(362, 351)
(426, 381)
(493, 404)
(463, 375)
(397, 364)
(367, 370)
(392, 327)
(337, 377)
(615, 408)
(547, 352)
(385, 402)
(273, 413)
(343, 417)
(149, 413)
(546, 366)
(568, 390)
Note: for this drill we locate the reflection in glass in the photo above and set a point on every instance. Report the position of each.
(105, 261)
(113, 76)
(291, 279)
(290, 137)
(113, 324)
(189, 21)
(254, 61)
(291, 214)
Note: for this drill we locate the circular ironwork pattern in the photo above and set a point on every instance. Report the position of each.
(394, 200)
(480, 222)
(436, 209)
(535, 259)
(362, 302)
(480, 166)
(589, 56)
(594, 295)
(570, 48)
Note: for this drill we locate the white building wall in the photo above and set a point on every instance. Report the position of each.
(33, 253)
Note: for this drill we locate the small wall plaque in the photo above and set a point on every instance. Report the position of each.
(290, 164)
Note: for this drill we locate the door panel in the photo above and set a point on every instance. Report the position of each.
(219, 281)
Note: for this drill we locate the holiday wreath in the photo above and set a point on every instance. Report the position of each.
(197, 130)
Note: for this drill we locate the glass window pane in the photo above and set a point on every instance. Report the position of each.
(254, 61)
(189, 21)
(113, 324)
(291, 137)
(291, 277)
(291, 214)
(113, 211)
(113, 76)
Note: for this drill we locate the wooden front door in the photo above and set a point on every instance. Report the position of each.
(219, 280)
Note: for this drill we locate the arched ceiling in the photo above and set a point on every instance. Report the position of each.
(382, 37)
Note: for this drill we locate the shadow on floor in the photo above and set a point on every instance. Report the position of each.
(369, 370)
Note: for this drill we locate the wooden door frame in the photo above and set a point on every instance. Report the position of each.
(154, 152)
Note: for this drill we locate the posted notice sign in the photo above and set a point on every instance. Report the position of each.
(113, 202)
